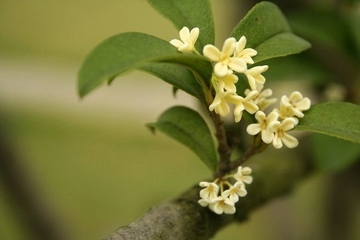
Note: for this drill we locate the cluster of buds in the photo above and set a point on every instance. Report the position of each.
(233, 59)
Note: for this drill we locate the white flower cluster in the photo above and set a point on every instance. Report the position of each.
(221, 195)
(273, 127)
(234, 57)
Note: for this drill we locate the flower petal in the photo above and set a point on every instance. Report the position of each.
(267, 136)
(237, 64)
(177, 43)
(211, 52)
(290, 141)
(229, 46)
(253, 129)
(220, 69)
(277, 143)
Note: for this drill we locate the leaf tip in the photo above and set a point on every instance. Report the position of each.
(151, 127)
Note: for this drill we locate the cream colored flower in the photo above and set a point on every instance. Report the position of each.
(263, 99)
(254, 75)
(281, 136)
(235, 191)
(242, 175)
(210, 190)
(228, 82)
(222, 205)
(224, 59)
(220, 104)
(187, 39)
(244, 53)
(243, 103)
(263, 126)
(294, 105)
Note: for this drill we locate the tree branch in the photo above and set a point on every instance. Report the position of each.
(183, 218)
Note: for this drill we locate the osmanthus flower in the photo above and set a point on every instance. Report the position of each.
(210, 190)
(222, 205)
(236, 190)
(243, 103)
(224, 59)
(187, 39)
(254, 75)
(228, 82)
(263, 99)
(244, 53)
(222, 198)
(220, 104)
(293, 105)
(242, 175)
(281, 136)
(263, 126)
(222, 99)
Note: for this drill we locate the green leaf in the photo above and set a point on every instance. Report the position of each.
(191, 14)
(189, 128)
(337, 119)
(176, 75)
(334, 154)
(268, 32)
(128, 51)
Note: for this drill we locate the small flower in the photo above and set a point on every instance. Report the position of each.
(228, 82)
(220, 104)
(210, 190)
(242, 104)
(188, 39)
(244, 53)
(222, 205)
(263, 99)
(294, 105)
(254, 75)
(281, 136)
(224, 60)
(241, 175)
(234, 192)
(263, 126)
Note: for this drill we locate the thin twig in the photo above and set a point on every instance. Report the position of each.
(224, 149)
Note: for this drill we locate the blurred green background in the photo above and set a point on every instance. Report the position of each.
(91, 162)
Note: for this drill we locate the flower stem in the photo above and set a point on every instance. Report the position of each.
(224, 149)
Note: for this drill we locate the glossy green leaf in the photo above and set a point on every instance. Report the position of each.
(189, 128)
(189, 13)
(333, 154)
(268, 32)
(128, 51)
(178, 76)
(337, 119)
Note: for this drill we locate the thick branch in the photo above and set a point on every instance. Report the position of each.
(183, 218)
